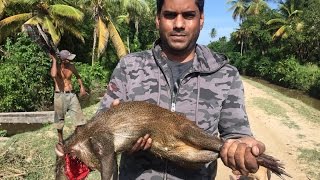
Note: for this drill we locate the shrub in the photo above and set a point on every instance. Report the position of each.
(289, 73)
(25, 83)
(93, 77)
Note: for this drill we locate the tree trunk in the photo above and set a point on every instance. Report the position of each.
(94, 45)
(241, 50)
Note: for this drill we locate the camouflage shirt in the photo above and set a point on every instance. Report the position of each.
(210, 93)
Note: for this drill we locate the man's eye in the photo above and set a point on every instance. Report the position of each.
(188, 15)
(170, 15)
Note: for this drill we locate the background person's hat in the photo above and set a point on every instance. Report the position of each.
(65, 54)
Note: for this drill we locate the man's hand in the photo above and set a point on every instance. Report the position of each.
(239, 154)
(143, 143)
(83, 92)
(52, 56)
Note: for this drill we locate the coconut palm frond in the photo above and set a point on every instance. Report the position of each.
(66, 11)
(278, 20)
(123, 18)
(48, 26)
(116, 40)
(34, 20)
(15, 18)
(280, 32)
(256, 6)
(137, 6)
(103, 36)
(3, 4)
(74, 31)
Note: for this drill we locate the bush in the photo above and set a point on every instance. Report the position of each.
(93, 77)
(289, 73)
(240, 62)
(25, 83)
(314, 90)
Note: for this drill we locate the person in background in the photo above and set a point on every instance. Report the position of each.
(180, 75)
(65, 100)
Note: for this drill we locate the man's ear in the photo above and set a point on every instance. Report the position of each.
(157, 20)
(201, 20)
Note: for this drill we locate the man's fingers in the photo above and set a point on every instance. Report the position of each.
(227, 153)
(136, 146)
(239, 158)
(115, 102)
(224, 152)
(148, 144)
(250, 161)
(258, 149)
(236, 172)
(144, 141)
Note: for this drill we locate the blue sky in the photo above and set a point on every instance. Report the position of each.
(218, 16)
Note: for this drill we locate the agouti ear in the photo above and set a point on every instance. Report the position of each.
(78, 129)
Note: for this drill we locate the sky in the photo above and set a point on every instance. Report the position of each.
(218, 16)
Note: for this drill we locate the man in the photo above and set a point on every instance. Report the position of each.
(64, 98)
(182, 76)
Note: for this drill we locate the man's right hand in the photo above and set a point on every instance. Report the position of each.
(143, 143)
(52, 56)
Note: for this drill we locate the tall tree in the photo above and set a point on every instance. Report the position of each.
(240, 35)
(55, 18)
(105, 27)
(3, 4)
(289, 21)
(239, 8)
(213, 33)
(256, 6)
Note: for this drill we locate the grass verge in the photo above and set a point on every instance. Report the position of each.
(31, 155)
(312, 158)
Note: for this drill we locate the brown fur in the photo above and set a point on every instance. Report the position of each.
(174, 137)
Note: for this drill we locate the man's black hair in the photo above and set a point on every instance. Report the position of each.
(199, 3)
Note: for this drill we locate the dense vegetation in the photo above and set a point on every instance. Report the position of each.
(280, 45)
(99, 32)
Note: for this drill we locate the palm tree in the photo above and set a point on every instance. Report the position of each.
(55, 18)
(136, 9)
(105, 27)
(3, 4)
(240, 35)
(256, 6)
(213, 33)
(288, 22)
(239, 8)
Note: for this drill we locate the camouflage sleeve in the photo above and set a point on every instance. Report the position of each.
(233, 118)
(116, 88)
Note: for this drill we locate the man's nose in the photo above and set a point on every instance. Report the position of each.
(179, 22)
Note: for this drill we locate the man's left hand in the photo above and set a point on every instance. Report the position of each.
(240, 154)
(83, 92)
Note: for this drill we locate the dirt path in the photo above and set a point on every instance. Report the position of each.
(281, 141)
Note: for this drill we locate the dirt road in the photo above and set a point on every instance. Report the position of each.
(284, 131)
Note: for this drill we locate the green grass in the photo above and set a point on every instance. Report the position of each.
(274, 109)
(309, 113)
(31, 155)
(312, 158)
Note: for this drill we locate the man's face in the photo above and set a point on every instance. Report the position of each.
(179, 24)
(65, 61)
